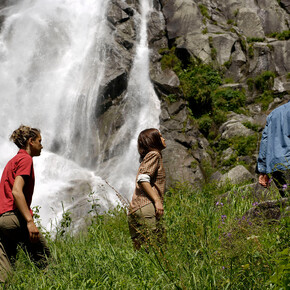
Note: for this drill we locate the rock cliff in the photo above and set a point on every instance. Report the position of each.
(247, 42)
(241, 39)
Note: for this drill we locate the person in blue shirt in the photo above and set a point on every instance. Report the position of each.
(274, 154)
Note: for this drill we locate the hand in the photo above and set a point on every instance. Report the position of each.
(159, 208)
(33, 231)
(264, 180)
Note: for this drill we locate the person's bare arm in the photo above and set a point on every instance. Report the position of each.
(146, 186)
(21, 204)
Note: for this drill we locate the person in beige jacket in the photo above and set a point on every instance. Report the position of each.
(146, 208)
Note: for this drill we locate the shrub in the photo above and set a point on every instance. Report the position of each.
(251, 126)
(284, 35)
(265, 99)
(265, 81)
(255, 39)
(197, 83)
(170, 60)
(245, 146)
(228, 99)
(204, 123)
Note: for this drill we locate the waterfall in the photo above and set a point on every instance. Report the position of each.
(52, 63)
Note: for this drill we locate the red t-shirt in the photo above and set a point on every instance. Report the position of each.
(20, 164)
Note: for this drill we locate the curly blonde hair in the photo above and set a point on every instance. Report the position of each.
(21, 136)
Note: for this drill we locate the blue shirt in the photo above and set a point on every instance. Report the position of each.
(275, 143)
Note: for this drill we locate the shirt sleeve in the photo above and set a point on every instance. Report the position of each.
(261, 164)
(24, 166)
(143, 178)
(150, 164)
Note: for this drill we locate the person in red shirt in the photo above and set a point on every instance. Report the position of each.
(17, 226)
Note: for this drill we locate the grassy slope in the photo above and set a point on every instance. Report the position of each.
(208, 246)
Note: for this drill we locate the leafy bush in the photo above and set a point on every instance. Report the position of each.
(265, 81)
(197, 83)
(255, 39)
(251, 126)
(245, 146)
(169, 59)
(205, 123)
(228, 99)
(284, 35)
(265, 99)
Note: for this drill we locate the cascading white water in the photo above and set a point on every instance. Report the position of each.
(52, 61)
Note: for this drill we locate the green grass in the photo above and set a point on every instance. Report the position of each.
(210, 245)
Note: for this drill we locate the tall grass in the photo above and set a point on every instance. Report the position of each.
(211, 244)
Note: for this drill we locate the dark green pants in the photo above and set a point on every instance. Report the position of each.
(13, 232)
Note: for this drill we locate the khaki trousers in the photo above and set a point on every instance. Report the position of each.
(145, 227)
(13, 232)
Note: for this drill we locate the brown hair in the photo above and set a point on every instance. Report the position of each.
(21, 136)
(149, 140)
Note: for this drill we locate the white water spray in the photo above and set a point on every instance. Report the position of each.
(51, 66)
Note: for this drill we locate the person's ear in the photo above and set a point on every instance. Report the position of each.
(30, 140)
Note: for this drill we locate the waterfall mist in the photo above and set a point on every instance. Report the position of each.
(53, 57)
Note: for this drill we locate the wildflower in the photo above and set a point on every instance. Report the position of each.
(284, 187)
(229, 234)
(223, 267)
(217, 203)
(255, 203)
(224, 217)
(270, 180)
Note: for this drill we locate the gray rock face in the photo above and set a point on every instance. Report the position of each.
(211, 31)
(234, 126)
(182, 17)
(237, 175)
(196, 29)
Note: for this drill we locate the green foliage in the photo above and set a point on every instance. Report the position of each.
(228, 99)
(265, 99)
(263, 84)
(251, 126)
(204, 124)
(281, 278)
(265, 81)
(169, 60)
(213, 51)
(228, 63)
(197, 83)
(284, 35)
(255, 39)
(244, 146)
(204, 11)
(210, 245)
(205, 30)
(251, 51)
(172, 98)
